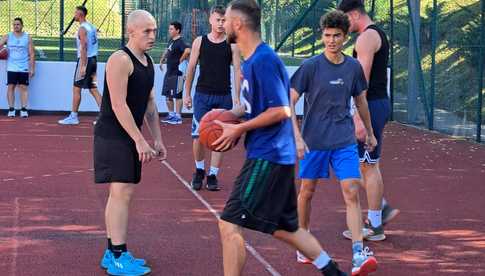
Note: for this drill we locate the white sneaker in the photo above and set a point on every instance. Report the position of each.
(69, 120)
(24, 114)
(301, 259)
(11, 114)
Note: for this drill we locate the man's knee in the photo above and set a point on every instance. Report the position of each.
(350, 190)
(306, 191)
(228, 230)
(121, 191)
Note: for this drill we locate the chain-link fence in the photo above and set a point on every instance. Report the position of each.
(437, 57)
(437, 61)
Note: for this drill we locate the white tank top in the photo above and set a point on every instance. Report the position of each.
(18, 52)
(91, 40)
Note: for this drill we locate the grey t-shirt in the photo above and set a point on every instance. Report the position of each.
(328, 88)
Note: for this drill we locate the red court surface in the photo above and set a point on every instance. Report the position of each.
(51, 213)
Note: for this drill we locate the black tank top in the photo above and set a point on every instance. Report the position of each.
(140, 84)
(215, 67)
(378, 74)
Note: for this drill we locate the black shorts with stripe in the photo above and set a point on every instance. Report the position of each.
(87, 81)
(264, 198)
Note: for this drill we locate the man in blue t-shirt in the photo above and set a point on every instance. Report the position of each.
(264, 195)
(327, 139)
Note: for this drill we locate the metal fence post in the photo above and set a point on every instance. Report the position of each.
(391, 14)
(434, 26)
(61, 24)
(480, 71)
(123, 23)
(417, 54)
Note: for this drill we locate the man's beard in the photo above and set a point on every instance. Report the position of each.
(231, 38)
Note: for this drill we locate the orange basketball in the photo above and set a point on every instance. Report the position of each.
(209, 131)
(3, 53)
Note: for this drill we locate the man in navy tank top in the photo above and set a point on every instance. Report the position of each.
(20, 66)
(214, 55)
(372, 51)
(120, 149)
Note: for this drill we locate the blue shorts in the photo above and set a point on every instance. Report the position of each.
(204, 103)
(379, 113)
(344, 161)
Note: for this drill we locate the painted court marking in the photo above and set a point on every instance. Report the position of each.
(16, 214)
(46, 175)
(251, 249)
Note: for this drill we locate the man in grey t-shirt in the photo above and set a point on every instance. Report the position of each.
(329, 81)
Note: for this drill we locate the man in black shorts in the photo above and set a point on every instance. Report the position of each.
(176, 54)
(264, 194)
(20, 66)
(85, 74)
(372, 51)
(119, 146)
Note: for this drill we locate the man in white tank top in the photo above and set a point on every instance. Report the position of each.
(20, 65)
(85, 74)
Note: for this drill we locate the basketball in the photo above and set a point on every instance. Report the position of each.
(3, 53)
(209, 131)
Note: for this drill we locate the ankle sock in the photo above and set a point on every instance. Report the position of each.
(199, 164)
(213, 171)
(322, 260)
(375, 217)
(118, 250)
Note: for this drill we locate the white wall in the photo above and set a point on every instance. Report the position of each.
(51, 87)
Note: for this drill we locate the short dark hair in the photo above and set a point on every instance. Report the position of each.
(350, 5)
(218, 9)
(19, 19)
(83, 9)
(251, 10)
(177, 25)
(335, 19)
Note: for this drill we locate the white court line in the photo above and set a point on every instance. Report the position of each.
(251, 249)
(16, 214)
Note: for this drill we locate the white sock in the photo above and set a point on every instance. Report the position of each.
(213, 171)
(177, 115)
(375, 217)
(73, 114)
(384, 202)
(322, 260)
(199, 164)
(171, 114)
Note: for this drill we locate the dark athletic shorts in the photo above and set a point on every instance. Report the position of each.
(173, 86)
(204, 103)
(18, 78)
(263, 198)
(380, 111)
(116, 160)
(89, 80)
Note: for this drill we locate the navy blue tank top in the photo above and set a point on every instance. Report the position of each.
(378, 74)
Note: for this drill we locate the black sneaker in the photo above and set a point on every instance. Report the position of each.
(375, 233)
(332, 270)
(388, 214)
(197, 179)
(212, 184)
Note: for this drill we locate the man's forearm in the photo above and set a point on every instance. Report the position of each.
(269, 117)
(152, 120)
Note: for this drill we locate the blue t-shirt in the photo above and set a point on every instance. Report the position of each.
(328, 88)
(266, 85)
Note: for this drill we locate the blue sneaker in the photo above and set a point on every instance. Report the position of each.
(168, 119)
(176, 120)
(108, 259)
(125, 265)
